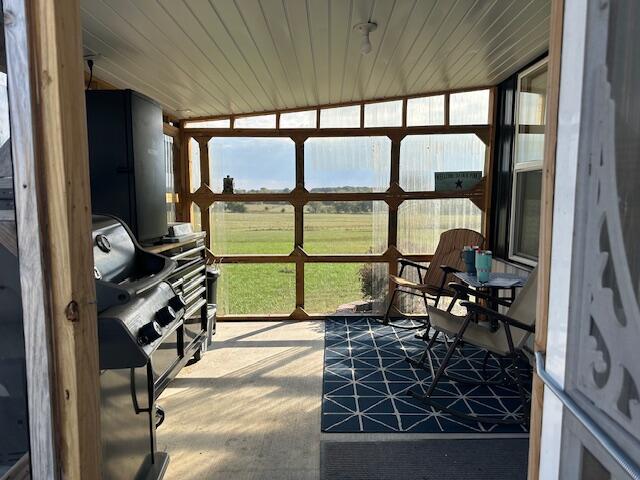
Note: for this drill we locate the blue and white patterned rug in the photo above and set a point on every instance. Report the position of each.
(367, 383)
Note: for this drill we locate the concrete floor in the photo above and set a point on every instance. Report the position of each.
(250, 409)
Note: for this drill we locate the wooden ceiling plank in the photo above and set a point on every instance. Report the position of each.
(461, 41)
(242, 57)
(256, 21)
(342, 40)
(126, 74)
(160, 27)
(161, 67)
(297, 15)
(524, 50)
(445, 34)
(276, 19)
(398, 19)
(529, 52)
(409, 54)
(360, 11)
(380, 14)
(200, 23)
(245, 45)
(319, 27)
(497, 25)
(504, 41)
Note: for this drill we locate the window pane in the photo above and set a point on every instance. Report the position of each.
(196, 217)
(385, 114)
(421, 156)
(222, 123)
(532, 99)
(258, 121)
(256, 164)
(345, 227)
(306, 119)
(257, 289)
(345, 287)
(527, 213)
(420, 222)
(425, 111)
(469, 108)
(340, 117)
(252, 228)
(347, 164)
(169, 183)
(194, 158)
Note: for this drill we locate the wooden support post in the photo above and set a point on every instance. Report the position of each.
(488, 168)
(54, 236)
(299, 222)
(404, 112)
(205, 179)
(394, 185)
(546, 228)
(447, 109)
(183, 183)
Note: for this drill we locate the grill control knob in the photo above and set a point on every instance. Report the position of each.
(149, 333)
(177, 303)
(165, 316)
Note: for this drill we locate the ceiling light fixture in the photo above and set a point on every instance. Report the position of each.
(365, 29)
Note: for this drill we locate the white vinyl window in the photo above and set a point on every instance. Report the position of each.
(531, 116)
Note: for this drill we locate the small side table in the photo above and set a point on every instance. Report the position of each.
(496, 283)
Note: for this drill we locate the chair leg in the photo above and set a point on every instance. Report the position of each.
(385, 320)
(425, 336)
(426, 398)
(521, 390)
(423, 357)
(442, 368)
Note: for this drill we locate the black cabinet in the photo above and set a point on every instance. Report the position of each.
(126, 160)
(189, 282)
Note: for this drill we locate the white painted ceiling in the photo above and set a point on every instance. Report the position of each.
(237, 56)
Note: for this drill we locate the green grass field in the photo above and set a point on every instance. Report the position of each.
(270, 288)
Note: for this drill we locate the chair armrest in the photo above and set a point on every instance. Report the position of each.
(464, 290)
(447, 269)
(404, 261)
(475, 308)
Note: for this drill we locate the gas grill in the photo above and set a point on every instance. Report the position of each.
(138, 313)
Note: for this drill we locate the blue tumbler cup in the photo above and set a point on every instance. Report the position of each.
(483, 265)
(468, 256)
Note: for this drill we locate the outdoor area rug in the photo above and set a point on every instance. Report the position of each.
(440, 459)
(366, 384)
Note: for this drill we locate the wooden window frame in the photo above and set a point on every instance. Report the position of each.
(394, 196)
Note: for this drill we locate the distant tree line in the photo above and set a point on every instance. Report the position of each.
(339, 207)
(313, 207)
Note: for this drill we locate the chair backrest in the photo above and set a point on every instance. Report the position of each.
(523, 308)
(447, 253)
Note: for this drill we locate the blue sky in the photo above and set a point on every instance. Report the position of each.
(257, 163)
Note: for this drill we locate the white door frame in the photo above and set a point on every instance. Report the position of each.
(568, 136)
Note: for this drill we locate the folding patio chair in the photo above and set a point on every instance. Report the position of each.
(505, 342)
(433, 278)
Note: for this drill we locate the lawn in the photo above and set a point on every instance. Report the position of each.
(270, 288)
(268, 229)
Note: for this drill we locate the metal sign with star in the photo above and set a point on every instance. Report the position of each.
(448, 181)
